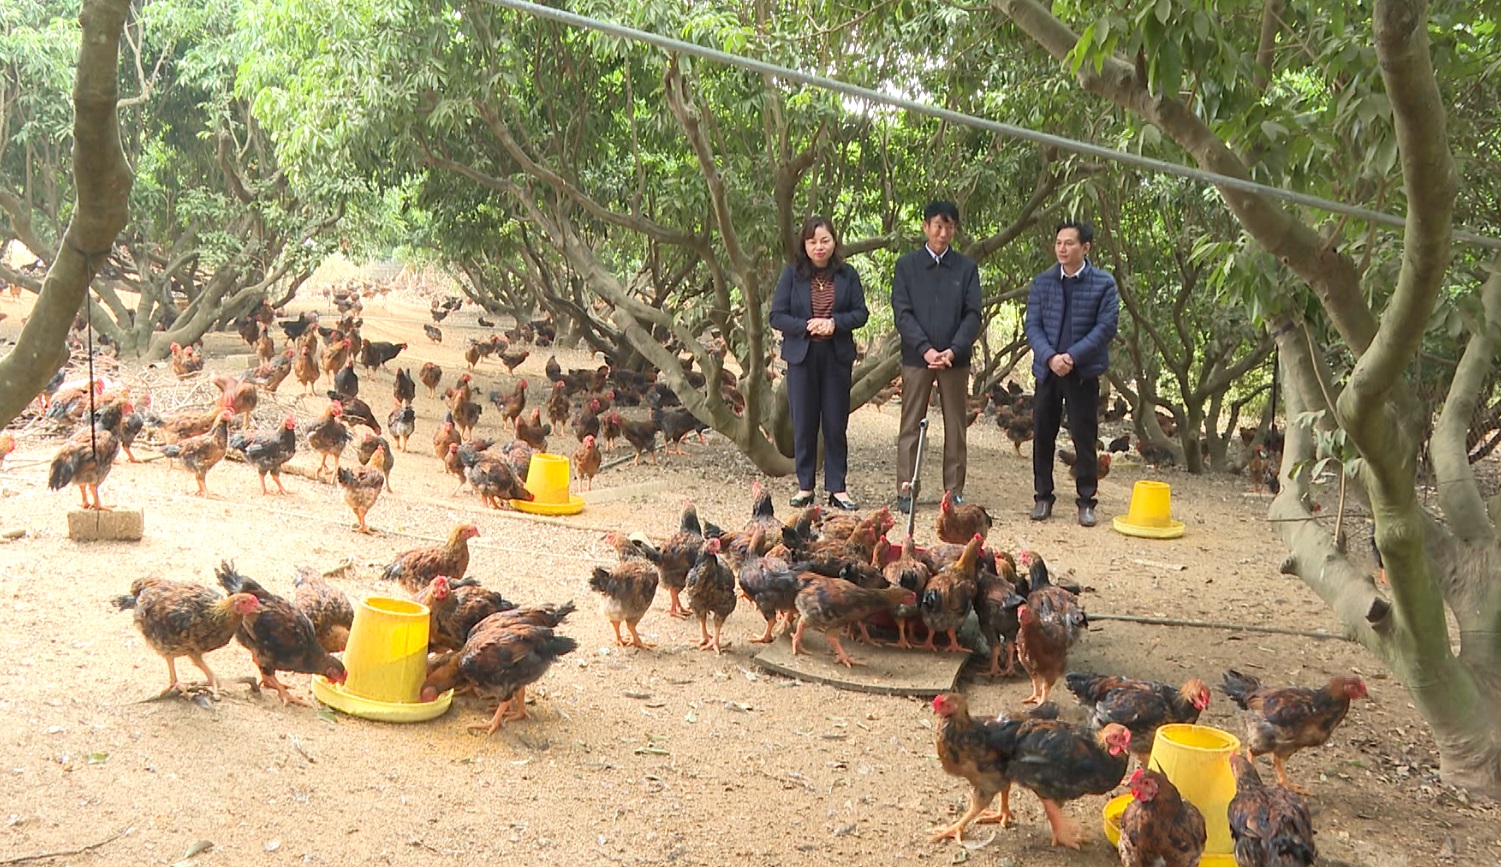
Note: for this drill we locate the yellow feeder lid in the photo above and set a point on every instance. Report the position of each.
(335, 696)
(574, 505)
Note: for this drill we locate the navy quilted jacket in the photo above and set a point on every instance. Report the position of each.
(1094, 314)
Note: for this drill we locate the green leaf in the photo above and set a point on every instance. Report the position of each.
(97, 758)
(1164, 10)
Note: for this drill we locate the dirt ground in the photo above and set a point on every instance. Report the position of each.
(674, 756)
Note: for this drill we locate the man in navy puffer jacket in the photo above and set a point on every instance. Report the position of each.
(1072, 311)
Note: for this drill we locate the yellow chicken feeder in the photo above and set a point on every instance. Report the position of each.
(547, 478)
(387, 662)
(1197, 759)
(1151, 515)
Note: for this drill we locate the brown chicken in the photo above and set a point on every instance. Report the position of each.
(404, 389)
(457, 606)
(326, 606)
(512, 407)
(416, 568)
(1155, 454)
(996, 604)
(88, 456)
(499, 660)
(465, 414)
(265, 347)
(496, 481)
(1283, 721)
(586, 423)
(366, 453)
(1269, 824)
(7, 445)
(675, 425)
(185, 362)
(949, 597)
(710, 588)
(512, 358)
(305, 365)
(909, 573)
(586, 463)
(957, 523)
(1142, 706)
(1042, 646)
(1019, 427)
(202, 453)
(1071, 459)
(558, 407)
(532, 431)
(328, 436)
(180, 619)
(362, 486)
(1052, 602)
(676, 557)
(270, 375)
(1256, 467)
(642, 435)
(269, 450)
(239, 397)
(826, 604)
(431, 375)
(975, 750)
(609, 429)
(770, 585)
(1159, 828)
(1060, 762)
(626, 591)
(333, 357)
(279, 637)
(402, 423)
(444, 437)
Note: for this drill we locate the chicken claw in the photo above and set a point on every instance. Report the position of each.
(1065, 830)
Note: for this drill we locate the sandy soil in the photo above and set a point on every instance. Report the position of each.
(669, 757)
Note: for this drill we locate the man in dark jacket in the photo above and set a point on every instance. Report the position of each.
(935, 298)
(1072, 311)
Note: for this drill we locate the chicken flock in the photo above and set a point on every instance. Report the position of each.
(838, 576)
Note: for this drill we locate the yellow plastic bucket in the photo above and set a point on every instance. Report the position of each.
(387, 653)
(547, 478)
(1197, 760)
(1151, 514)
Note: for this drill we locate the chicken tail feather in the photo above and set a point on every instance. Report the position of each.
(1239, 687)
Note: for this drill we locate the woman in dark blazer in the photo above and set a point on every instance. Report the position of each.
(818, 304)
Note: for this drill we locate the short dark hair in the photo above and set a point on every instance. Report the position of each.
(1086, 231)
(941, 208)
(800, 259)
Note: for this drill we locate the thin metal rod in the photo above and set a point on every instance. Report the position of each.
(1210, 624)
(1069, 144)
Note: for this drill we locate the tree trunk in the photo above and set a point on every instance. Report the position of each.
(103, 182)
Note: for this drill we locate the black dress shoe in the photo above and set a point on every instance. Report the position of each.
(1041, 510)
(904, 505)
(844, 503)
(1086, 516)
(800, 501)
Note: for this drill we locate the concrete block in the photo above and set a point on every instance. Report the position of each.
(118, 525)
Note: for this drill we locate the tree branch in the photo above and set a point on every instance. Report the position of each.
(102, 181)
(1331, 275)
(1449, 447)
